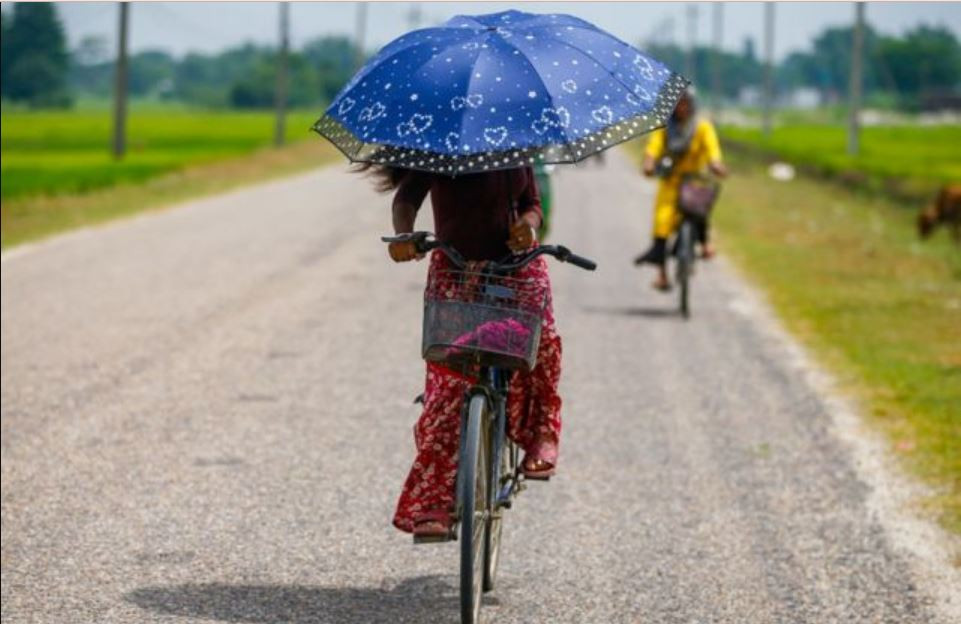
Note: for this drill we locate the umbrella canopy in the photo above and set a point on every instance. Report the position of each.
(499, 91)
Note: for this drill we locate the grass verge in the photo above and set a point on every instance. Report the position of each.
(66, 152)
(32, 218)
(881, 309)
(847, 274)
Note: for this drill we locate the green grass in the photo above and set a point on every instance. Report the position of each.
(909, 161)
(67, 152)
(850, 277)
(32, 217)
(847, 273)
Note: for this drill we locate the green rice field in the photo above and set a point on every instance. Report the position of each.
(68, 152)
(911, 160)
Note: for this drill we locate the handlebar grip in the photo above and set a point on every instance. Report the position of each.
(584, 263)
(421, 240)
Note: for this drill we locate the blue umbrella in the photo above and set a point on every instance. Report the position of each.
(499, 91)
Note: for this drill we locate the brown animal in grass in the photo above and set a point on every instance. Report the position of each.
(946, 210)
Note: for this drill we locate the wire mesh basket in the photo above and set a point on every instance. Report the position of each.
(474, 318)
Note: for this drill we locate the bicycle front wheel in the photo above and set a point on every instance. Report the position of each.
(474, 511)
(500, 477)
(685, 262)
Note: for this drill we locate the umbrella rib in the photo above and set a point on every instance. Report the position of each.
(605, 67)
(537, 75)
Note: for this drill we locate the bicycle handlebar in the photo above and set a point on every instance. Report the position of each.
(424, 242)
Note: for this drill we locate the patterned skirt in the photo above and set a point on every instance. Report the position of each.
(533, 411)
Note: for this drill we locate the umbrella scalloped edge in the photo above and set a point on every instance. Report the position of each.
(578, 149)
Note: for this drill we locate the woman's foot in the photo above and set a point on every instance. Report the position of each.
(537, 469)
(540, 460)
(661, 283)
(707, 251)
(433, 527)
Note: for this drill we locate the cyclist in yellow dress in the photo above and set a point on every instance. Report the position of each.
(688, 145)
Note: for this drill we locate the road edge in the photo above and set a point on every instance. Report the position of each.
(893, 493)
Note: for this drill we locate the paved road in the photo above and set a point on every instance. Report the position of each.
(206, 414)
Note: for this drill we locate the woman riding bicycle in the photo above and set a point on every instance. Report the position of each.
(484, 216)
(687, 146)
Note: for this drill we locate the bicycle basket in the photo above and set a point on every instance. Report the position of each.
(696, 197)
(474, 318)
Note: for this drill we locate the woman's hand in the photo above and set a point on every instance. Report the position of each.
(523, 235)
(403, 252)
(648, 166)
(718, 168)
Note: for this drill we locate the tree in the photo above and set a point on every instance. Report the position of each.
(925, 59)
(151, 71)
(334, 59)
(35, 59)
(255, 89)
(92, 50)
(737, 70)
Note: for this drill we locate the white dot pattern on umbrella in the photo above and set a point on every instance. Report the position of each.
(499, 91)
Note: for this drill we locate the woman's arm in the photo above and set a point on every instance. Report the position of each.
(407, 201)
(523, 233)
(713, 146)
(653, 151)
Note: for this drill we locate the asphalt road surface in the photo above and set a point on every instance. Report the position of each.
(206, 416)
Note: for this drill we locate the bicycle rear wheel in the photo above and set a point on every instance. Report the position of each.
(685, 261)
(474, 507)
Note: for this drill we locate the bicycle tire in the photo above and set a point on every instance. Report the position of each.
(474, 514)
(685, 258)
(495, 524)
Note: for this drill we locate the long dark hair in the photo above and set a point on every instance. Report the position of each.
(386, 178)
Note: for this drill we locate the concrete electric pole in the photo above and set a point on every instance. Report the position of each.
(768, 100)
(716, 88)
(280, 95)
(691, 41)
(856, 80)
(360, 34)
(120, 86)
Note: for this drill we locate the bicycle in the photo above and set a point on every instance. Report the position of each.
(458, 305)
(696, 197)
(684, 267)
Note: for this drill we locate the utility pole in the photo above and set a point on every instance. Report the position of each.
(120, 86)
(856, 80)
(280, 95)
(414, 16)
(691, 40)
(716, 89)
(768, 102)
(360, 34)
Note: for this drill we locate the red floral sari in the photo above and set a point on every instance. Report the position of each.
(533, 412)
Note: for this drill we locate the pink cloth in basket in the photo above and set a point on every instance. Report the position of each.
(505, 336)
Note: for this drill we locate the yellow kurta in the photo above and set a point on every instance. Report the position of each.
(704, 149)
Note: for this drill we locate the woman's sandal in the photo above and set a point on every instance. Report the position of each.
(433, 527)
(664, 286)
(537, 469)
(539, 461)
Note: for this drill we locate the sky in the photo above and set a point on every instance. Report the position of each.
(181, 27)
